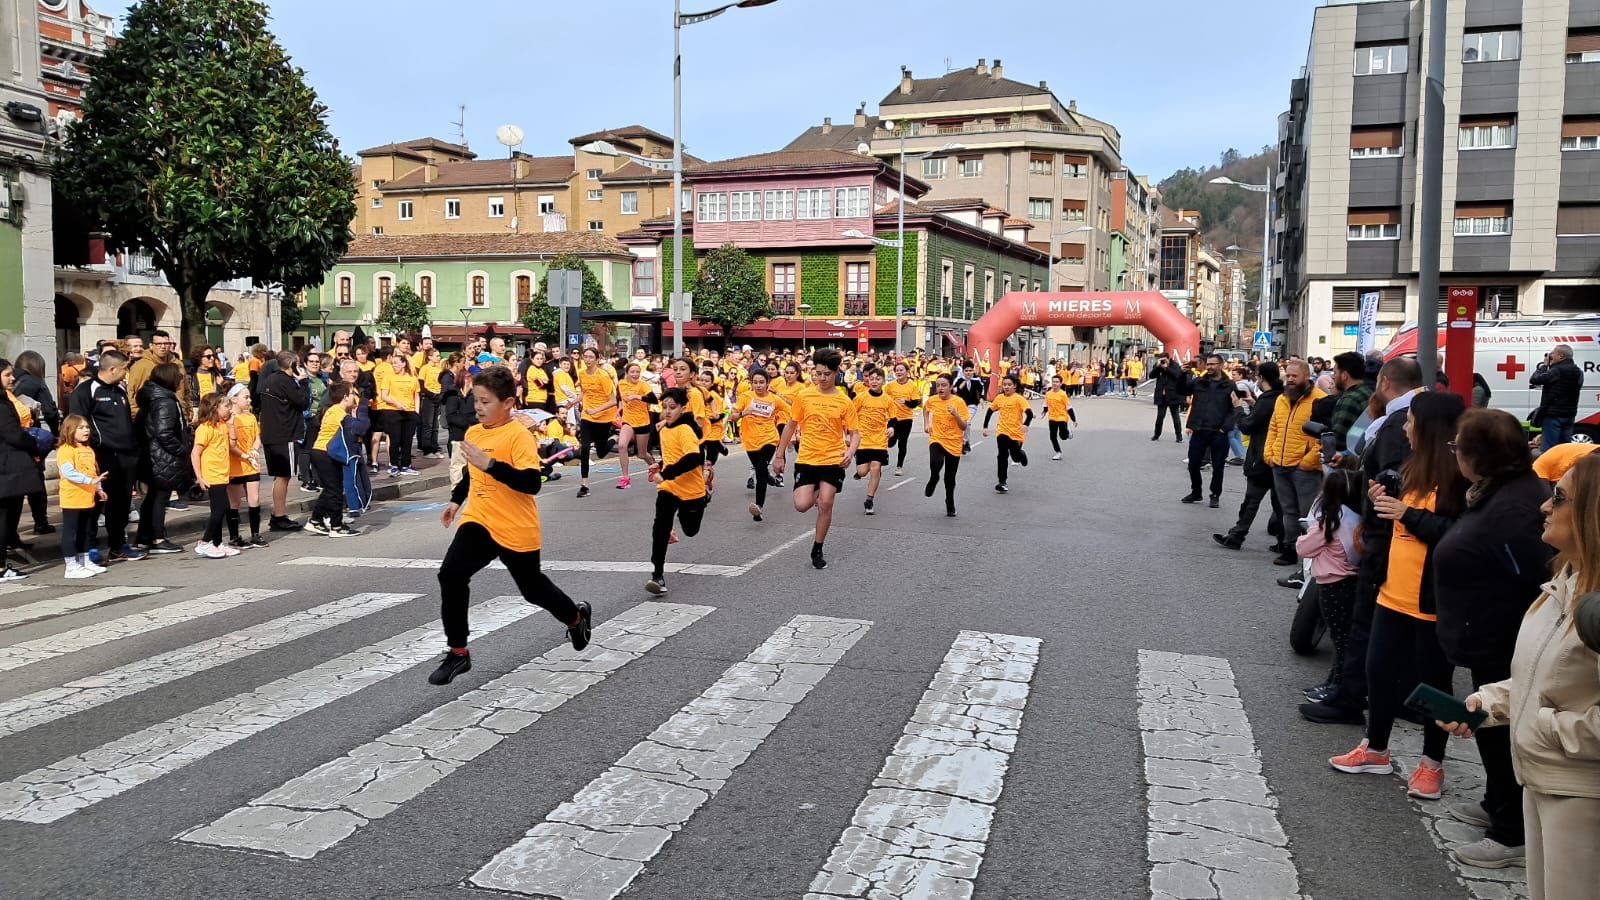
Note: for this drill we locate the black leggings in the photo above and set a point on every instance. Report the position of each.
(220, 505)
(402, 429)
(1058, 433)
(689, 512)
(472, 550)
(899, 435)
(75, 531)
(761, 461)
(329, 508)
(1007, 450)
(1337, 601)
(1397, 641)
(940, 458)
(10, 515)
(591, 434)
(152, 515)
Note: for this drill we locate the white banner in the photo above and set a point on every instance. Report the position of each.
(1366, 330)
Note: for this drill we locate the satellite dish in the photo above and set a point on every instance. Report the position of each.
(509, 135)
(863, 148)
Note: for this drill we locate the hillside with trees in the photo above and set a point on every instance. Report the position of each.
(1228, 215)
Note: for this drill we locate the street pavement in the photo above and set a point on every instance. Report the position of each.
(1067, 692)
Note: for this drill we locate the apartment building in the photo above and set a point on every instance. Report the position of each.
(26, 313)
(1521, 188)
(72, 36)
(429, 186)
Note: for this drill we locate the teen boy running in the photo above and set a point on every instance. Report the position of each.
(825, 419)
(874, 412)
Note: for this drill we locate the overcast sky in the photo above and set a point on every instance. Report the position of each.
(1181, 80)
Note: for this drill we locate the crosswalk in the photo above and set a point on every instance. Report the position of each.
(920, 828)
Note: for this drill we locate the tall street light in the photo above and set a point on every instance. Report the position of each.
(323, 314)
(805, 311)
(1263, 322)
(466, 326)
(900, 241)
(680, 19)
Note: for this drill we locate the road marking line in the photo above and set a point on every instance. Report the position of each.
(17, 588)
(317, 810)
(911, 480)
(78, 782)
(594, 845)
(1213, 822)
(554, 565)
(775, 551)
(83, 694)
(60, 606)
(22, 654)
(922, 829)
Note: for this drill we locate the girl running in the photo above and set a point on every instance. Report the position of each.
(944, 418)
(1015, 417)
(680, 482)
(1058, 408)
(716, 412)
(636, 396)
(907, 396)
(244, 469)
(210, 460)
(874, 411)
(598, 403)
(81, 483)
(825, 419)
(759, 413)
(501, 520)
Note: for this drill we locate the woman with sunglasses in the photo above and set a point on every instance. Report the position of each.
(1550, 702)
(206, 375)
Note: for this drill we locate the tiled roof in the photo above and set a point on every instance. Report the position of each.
(485, 173)
(839, 137)
(790, 159)
(627, 131)
(416, 145)
(956, 203)
(962, 84)
(442, 245)
(1015, 222)
(1171, 222)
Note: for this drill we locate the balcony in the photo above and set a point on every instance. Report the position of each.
(783, 304)
(857, 305)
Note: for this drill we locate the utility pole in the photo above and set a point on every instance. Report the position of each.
(1428, 214)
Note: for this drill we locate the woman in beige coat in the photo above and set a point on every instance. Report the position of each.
(1551, 702)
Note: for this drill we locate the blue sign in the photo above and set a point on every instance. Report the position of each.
(1352, 330)
(1264, 337)
(573, 340)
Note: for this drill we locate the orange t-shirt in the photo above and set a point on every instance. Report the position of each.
(1402, 587)
(759, 418)
(78, 496)
(823, 420)
(511, 517)
(597, 390)
(944, 428)
(245, 432)
(873, 413)
(1011, 409)
(211, 439)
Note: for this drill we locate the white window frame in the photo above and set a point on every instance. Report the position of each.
(744, 206)
(1376, 152)
(813, 203)
(1580, 143)
(971, 167)
(597, 226)
(629, 203)
(1482, 137)
(852, 202)
(1480, 44)
(711, 206)
(1074, 170)
(1366, 56)
(936, 167)
(378, 183)
(1585, 56)
(345, 278)
(377, 203)
(1041, 166)
(1078, 214)
(1386, 232)
(1479, 226)
(547, 204)
(778, 206)
(634, 277)
(497, 203)
(452, 208)
(407, 211)
(597, 195)
(488, 291)
(592, 174)
(1036, 204)
(377, 231)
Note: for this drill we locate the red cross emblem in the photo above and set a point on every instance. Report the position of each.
(1511, 368)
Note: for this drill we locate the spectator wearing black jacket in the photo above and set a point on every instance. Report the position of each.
(1258, 475)
(104, 402)
(31, 383)
(1562, 383)
(459, 415)
(1170, 390)
(1211, 417)
(19, 474)
(165, 442)
(284, 397)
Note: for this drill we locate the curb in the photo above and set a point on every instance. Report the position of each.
(47, 548)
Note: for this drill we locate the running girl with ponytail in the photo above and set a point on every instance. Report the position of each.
(874, 412)
(1015, 417)
(944, 418)
(636, 395)
(907, 396)
(1058, 409)
(759, 413)
(597, 399)
(680, 482)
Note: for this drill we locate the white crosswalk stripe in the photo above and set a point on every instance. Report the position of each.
(83, 694)
(55, 645)
(314, 812)
(77, 782)
(553, 565)
(592, 846)
(82, 600)
(18, 588)
(1213, 822)
(923, 827)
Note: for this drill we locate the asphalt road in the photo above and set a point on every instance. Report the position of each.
(1066, 692)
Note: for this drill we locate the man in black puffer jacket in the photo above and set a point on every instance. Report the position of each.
(103, 400)
(284, 400)
(1211, 417)
(164, 467)
(1562, 383)
(1170, 388)
(1258, 475)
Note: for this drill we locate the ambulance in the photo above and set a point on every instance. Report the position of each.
(1509, 350)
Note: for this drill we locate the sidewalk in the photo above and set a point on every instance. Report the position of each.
(184, 524)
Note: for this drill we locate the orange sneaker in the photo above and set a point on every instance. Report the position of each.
(1426, 781)
(1362, 760)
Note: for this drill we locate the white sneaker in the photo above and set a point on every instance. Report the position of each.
(76, 571)
(1057, 456)
(93, 567)
(11, 575)
(228, 551)
(209, 551)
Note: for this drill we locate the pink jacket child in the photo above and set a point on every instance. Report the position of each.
(1331, 561)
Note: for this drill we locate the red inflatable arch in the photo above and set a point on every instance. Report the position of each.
(1083, 309)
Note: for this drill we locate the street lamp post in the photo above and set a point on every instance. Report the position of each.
(1263, 322)
(466, 326)
(900, 239)
(804, 310)
(323, 314)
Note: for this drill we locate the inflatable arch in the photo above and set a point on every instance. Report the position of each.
(1083, 309)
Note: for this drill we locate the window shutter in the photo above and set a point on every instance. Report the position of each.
(1487, 121)
(1374, 217)
(1580, 127)
(1368, 138)
(1482, 210)
(1578, 219)
(1586, 42)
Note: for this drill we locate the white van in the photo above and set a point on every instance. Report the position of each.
(1509, 350)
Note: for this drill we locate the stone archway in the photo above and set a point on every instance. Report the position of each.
(218, 317)
(139, 316)
(70, 314)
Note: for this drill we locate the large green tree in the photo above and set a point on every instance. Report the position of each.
(404, 313)
(730, 289)
(544, 318)
(202, 144)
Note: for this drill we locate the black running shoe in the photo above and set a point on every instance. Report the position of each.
(1001, 489)
(817, 562)
(452, 665)
(583, 491)
(579, 633)
(950, 512)
(750, 483)
(1022, 458)
(933, 485)
(656, 585)
(868, 506)
(258, 541)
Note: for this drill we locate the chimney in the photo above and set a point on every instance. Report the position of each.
(430, 172)
(983, 66)
(827, 125)
(905, 80)
(1072, 106)
(997, 71)
(1044, 85)
(861, 116)
(521, 163)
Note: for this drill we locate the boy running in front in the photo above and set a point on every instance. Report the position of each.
(874, 412)
(501, 520)
(825, 419)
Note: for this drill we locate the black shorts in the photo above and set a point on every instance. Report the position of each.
(244, 479)
(805, 475)
(872, 456)
(280, 460)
